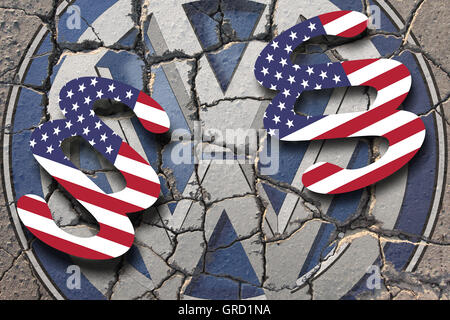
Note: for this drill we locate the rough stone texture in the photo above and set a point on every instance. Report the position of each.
(16, 30)
(430, 25)
(18, 282)
(404, 7)
(176, 260)
(30, 7)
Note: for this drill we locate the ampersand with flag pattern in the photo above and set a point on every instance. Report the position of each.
(404, 130)
(116, 233)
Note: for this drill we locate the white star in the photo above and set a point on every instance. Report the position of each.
(69, 94)
(273, 87)
(318, 87)
(290, 123)
(271, 132)
(286, 93)
(265, 115)
(265, 71)
(288, 49)
(306, 38)
(99, 94)
(103, 137)
(86, 131)
(111, 87)
(329, 64)
(323, 75)
(93, 82)
(81, 87)
(305, 83)
(32, 143)
(312, 26)
(274, 45)
(269, 57)
(276, 119)
(291, 79)
(69, 124)
(337, 78)
(87, 100)
(75, 106)
(117, 99)
(293, 35)
(129, 94)
(310, 70)
(296, 67)
(279, 76)
(44, 137)
(50, 149)
(109, 150)
(92, 113)
(80, 118)
(281, 106)
(92, 142)
(283, 62)
(64, 111)
(98, 125)
(56, 131)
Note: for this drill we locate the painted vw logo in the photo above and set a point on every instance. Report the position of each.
(233, 220)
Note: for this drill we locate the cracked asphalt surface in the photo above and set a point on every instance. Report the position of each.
(190, 246)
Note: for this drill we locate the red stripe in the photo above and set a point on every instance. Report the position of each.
(142, 185)
(375, 175)
(390, 77)
(68, 247)
(128, 152)
(364, 120)
(355, 65)
(145, 99)
(124, 238)
(331, 16)
(354, 31)
(98, 199)
(153, 127)
(34, 206)
(319, 173)
(405, 131)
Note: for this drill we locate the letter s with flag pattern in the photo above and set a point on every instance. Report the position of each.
(404, 130)
(116, 233)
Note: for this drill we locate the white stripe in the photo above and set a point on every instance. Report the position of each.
(152, 114)
(136, 168)
(314, 166)
(35, 197)
(134, 197)
(345, 176)
(392, 91)
(109, 218)
(48, 226)
(371, 71)
(344, 23)
(102, 215)
(67, 173)
(387, 124)
(127, 195)
(321, 126)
